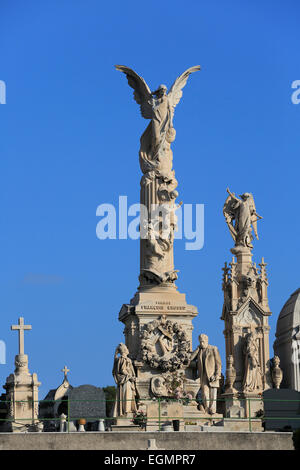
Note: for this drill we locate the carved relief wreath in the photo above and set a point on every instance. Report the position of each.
(164, 345)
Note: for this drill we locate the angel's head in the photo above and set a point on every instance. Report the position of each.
(122, 349)
(161, 91)
(245, 196)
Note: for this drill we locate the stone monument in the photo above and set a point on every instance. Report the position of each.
(245, 313)
(158, 320)
(22, 390)
(287, 343)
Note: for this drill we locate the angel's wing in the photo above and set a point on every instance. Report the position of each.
(254, 216)
(175, 92)
(229, 214)
(142, 93)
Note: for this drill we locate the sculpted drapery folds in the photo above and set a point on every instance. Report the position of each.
(252, 377)
(243, 213)
(125, 378)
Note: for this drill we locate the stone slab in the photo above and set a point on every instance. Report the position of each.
(282, 409)
(139, 441)
(231, 424)
(129, 428)
(88, 402)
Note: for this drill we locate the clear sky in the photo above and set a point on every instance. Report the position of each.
(69, 141)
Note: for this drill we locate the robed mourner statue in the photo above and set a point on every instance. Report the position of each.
(125, 378)
(209, 371)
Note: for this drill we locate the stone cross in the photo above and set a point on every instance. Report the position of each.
(21, 327)
(65, 370)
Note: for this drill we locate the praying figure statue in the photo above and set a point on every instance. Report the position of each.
(209, 371)
(252, 377)
(125, 378)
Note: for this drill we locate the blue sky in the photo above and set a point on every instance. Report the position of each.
(69, 141)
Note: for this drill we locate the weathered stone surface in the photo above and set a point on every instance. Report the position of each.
(139, 441)
(87, 402)
(287, 343)
(284, 405)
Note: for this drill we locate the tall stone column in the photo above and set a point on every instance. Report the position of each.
(246, 309)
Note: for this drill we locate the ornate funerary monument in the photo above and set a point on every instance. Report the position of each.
(22, 391)
(158, 320)
(245, 313)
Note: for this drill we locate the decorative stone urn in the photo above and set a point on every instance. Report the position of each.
(230, 375)
(277, 373)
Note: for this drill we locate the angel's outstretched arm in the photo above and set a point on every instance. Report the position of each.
(232, 195)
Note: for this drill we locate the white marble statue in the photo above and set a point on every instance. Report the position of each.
(158, 106)
(252, 376)
(243, 212)
(158, 183)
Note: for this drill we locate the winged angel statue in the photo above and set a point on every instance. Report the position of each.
(159, 106)
(243, 213)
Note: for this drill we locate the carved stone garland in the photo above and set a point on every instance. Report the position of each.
(173, 343)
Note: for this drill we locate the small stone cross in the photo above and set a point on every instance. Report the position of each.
(65, 370)
(21, 327)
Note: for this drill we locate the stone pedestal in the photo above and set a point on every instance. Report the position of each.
(238, 425)
(22, 395)
(243, 405)
(144, 309)
(161, 414)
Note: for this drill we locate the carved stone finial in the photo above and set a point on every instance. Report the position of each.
(230, 375)
(277, 373)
